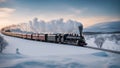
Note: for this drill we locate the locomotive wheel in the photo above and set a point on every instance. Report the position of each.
(78, 43)
(62, 40)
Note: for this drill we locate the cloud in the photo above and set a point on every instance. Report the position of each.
(2, 0)
(77, 11)
(6, 12)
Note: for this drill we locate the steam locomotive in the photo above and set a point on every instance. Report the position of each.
(74, 39)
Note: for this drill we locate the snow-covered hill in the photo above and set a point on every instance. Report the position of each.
(36, 54)
(104, 27)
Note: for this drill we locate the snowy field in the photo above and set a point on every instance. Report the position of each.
(35, 54)
(110, 41)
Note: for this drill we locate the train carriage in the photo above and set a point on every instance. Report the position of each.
(24, 35)
(29, 36)
(42, 37)
(52, 37)
(19, 35)
(35, 36)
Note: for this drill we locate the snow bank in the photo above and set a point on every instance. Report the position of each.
(36, 54)
(97, 60)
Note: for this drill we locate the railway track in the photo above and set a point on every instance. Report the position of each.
(102, 49)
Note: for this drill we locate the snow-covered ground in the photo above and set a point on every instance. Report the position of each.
(110, 41)
(36, 54)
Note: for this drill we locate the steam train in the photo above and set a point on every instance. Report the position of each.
(74, 39)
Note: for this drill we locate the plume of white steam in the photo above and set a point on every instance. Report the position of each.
(53, 26)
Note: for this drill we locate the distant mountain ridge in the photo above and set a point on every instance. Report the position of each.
(106, 27)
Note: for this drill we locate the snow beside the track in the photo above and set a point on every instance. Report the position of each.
(36, 54)
(37, 48)
(109, 42)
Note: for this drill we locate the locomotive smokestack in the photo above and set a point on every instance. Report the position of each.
(80, 29)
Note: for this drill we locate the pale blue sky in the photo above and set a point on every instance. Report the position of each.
(86, 11)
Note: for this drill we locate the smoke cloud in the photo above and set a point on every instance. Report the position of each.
(53, 26)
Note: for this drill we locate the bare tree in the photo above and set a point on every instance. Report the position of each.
(115, 38)
(3, 44)
(99, 41)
